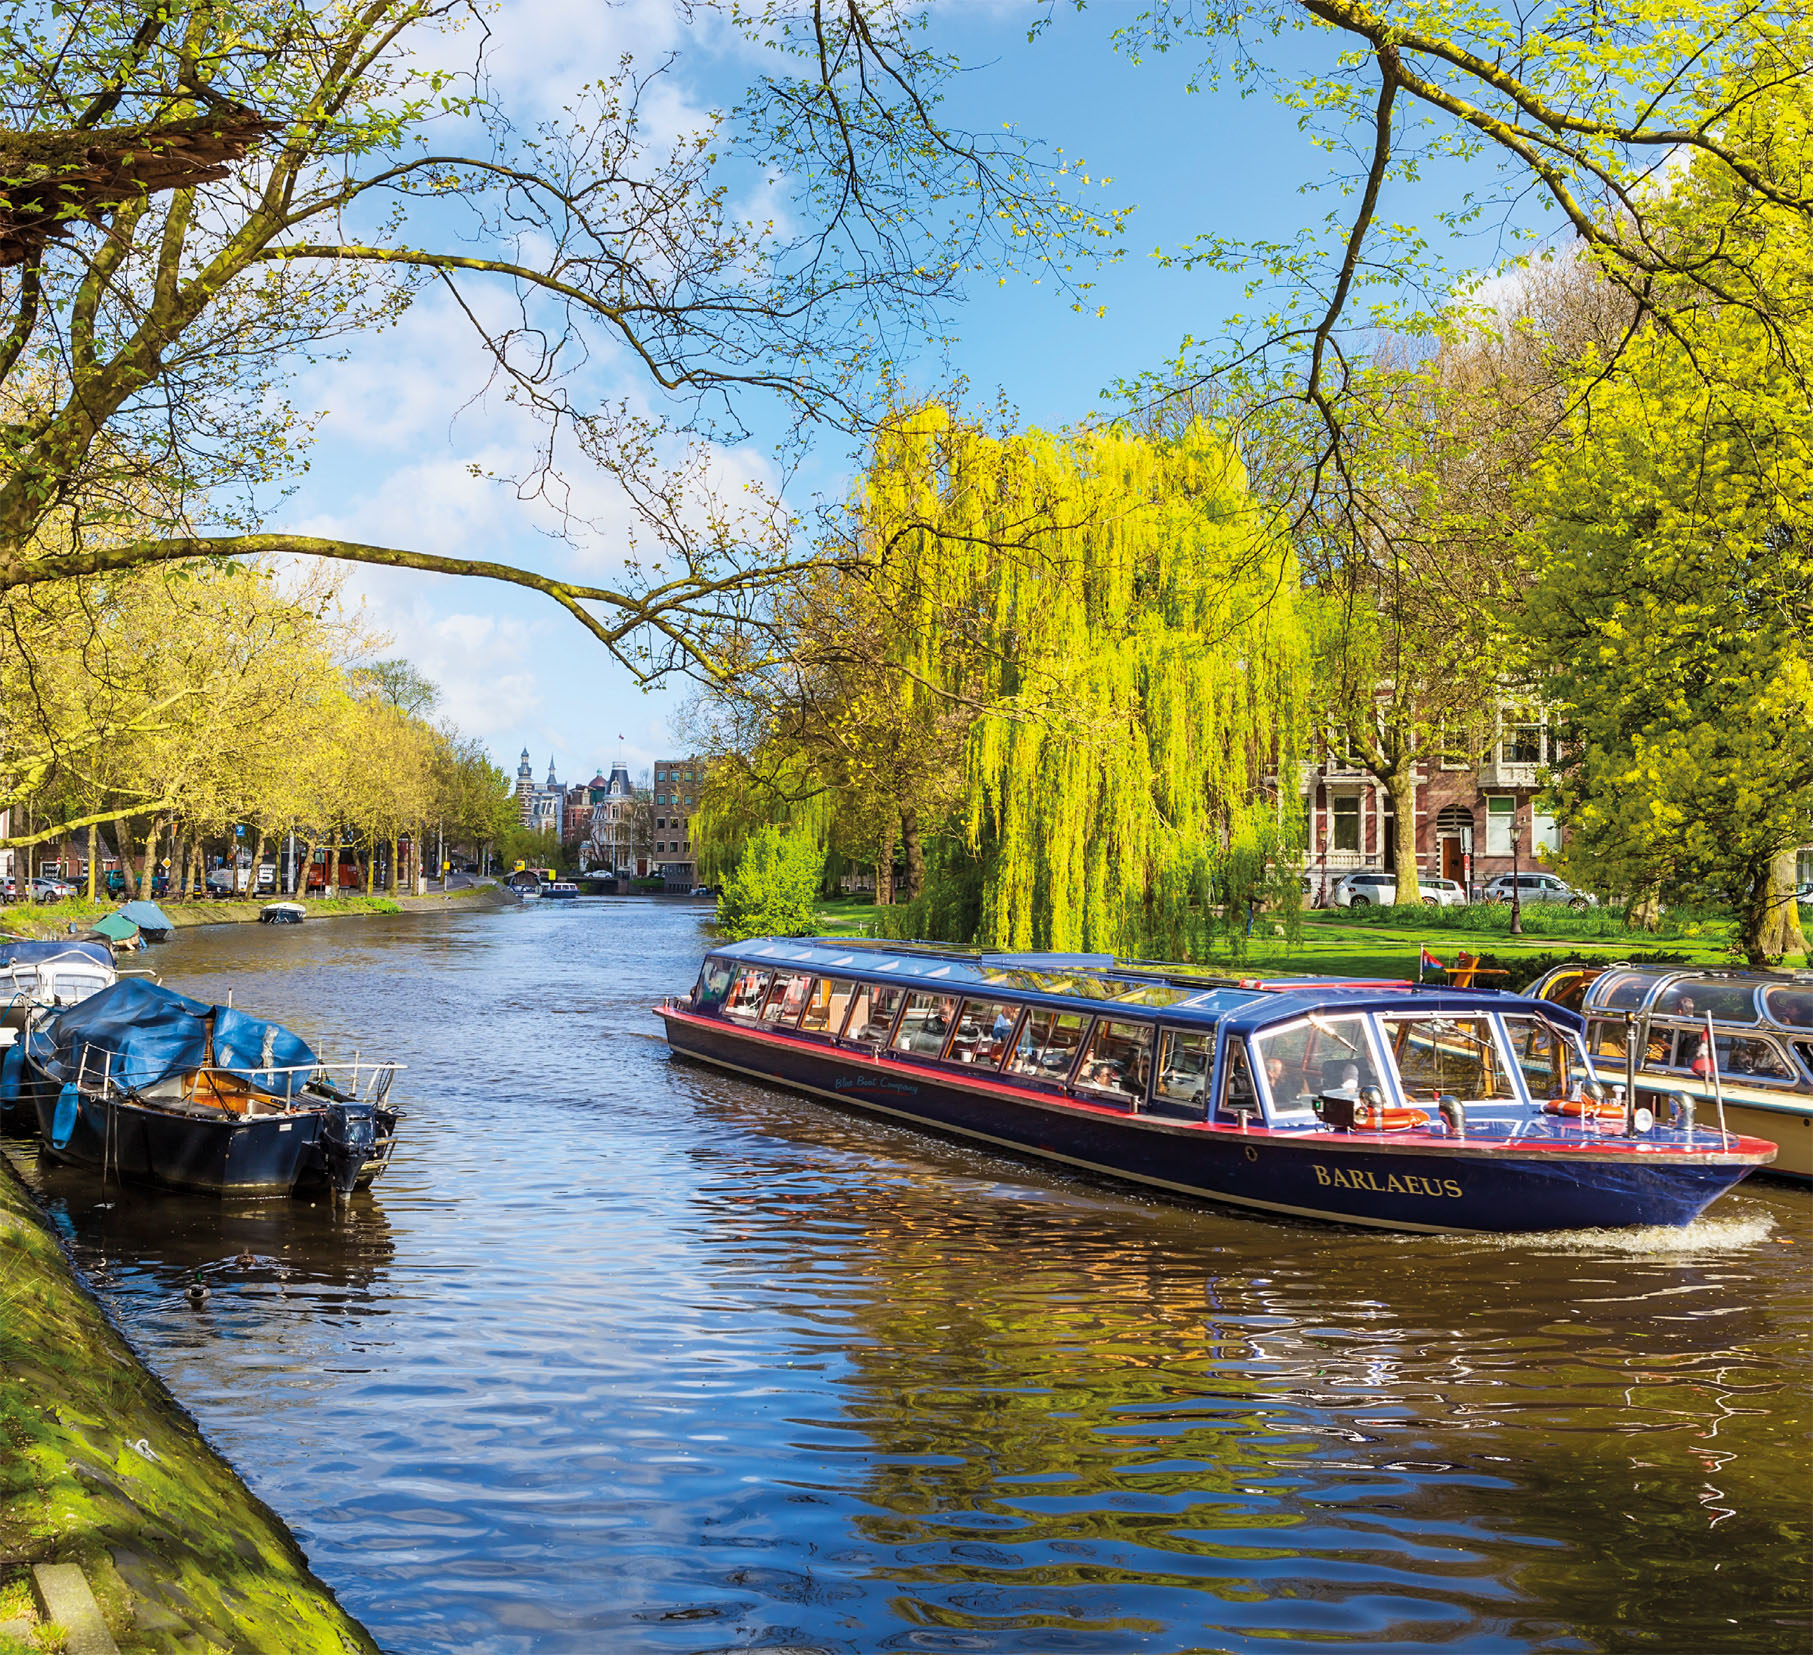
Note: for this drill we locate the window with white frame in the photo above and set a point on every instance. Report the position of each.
(1501, 817)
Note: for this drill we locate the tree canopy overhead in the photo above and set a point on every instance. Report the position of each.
(203, 196)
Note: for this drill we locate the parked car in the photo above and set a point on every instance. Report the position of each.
(46, 889)
(1372, 887)
(1536, 887)
(9, 889)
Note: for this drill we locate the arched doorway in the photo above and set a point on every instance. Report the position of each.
(1454, 840)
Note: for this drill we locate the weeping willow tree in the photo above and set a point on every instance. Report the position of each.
(1127, 638)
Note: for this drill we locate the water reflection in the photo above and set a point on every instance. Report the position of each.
(625, 1354)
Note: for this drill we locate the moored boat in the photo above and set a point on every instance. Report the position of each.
(1379, 1104)
(1759, 1063)
(148, 1085)
(560, 890)
(282, 913)
(153, 923)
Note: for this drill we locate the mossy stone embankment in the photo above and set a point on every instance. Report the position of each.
(100, 1466)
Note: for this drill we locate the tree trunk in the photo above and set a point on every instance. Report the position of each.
(303, 868)
(149, 864)
(396, 851)
(1771, 918)
(94, 848)
(371, 864)
(332, 887)
(1644, 910)
(1401, 785)
(257, 863)
(915, 853)
(884, 863)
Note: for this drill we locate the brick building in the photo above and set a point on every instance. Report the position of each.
(1467, 810)
(679, 783)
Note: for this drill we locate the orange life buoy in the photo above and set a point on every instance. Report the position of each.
(1581, 1109)
(1369, 1117)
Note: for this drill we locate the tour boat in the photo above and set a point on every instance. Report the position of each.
(560, 890)
(147, 1085)
(282, 913)
(1758, 1062)
(1373, 1103)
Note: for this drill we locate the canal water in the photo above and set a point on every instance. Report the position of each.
(626, 1355)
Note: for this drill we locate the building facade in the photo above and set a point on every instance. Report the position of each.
(1470, 812)
(540, 809)
(679, 786)
(617, 828)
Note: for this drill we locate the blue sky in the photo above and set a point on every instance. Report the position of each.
(392, 463)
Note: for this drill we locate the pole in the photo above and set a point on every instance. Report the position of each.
(1630, 1074)
(1516, 885)
(1718, 1083)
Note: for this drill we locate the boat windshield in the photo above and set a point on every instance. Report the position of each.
(1301, 1061)
(1448, 1056)
(713, 984)
(1622, 990)
(1545, 1054)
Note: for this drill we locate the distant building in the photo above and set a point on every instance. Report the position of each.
(679, 786)
(617, 827)
(540, 809)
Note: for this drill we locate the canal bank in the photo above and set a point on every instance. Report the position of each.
(56, 919)
(101, 1467)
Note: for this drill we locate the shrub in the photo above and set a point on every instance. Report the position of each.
(774, 890)
(1543, 918)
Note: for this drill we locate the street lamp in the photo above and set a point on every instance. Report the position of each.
(1516, 884)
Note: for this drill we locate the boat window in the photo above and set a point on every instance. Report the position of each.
(1741, 1057)
(1605, 1038)
(872, 1012)
(1728, 1002)
(1239, 1097)
(1623, 990)
(745, 997)
(1185, 1059)
(1805, 1050)
(1047, 1045)
(786, 998)
(826, 1005)
(984, 1028)
(1303, 1060)
(1118, 1061)
(714, 983)
(1455, 1056)
(1158, 995)
(1791, 1007)
(1544, 1054)
(925, 1023)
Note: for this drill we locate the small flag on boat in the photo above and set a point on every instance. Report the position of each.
(1426, 960)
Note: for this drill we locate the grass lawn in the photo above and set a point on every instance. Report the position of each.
(1386, 943)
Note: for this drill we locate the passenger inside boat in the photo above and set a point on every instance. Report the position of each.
(1303, 1061)
(983, 1028)
(786, 997)
(1117, 1063)
(924, 1024)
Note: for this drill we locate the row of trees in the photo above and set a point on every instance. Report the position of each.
(178, 714)
(1089, 664)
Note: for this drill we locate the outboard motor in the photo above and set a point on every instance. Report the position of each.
(349, 1138)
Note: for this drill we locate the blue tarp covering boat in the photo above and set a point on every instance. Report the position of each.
(21, 951)
(149, 918)
(151, 1033)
